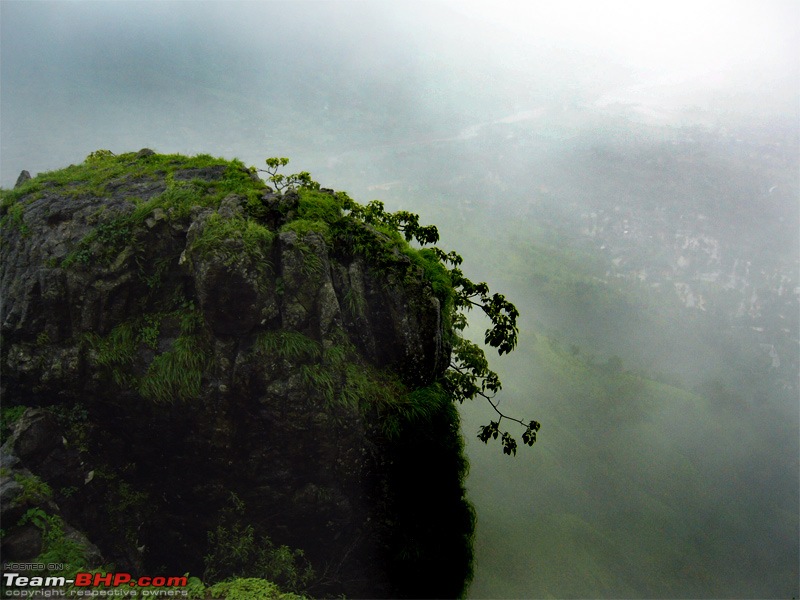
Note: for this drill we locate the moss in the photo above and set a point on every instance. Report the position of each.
(92, 177)
(316, 211)
(312, 264)
(178, 200)
(238, 180)
(380, 246)
(340, 376)
(303, 226)
(218, 232)
(103, 244)
(98, 170)
(314, 205)
(337, 373)
(343, 377)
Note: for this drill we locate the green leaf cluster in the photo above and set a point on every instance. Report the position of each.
(374, 213)
(282, 182)
(492, 431)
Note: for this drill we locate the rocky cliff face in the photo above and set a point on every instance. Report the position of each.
(211, 364)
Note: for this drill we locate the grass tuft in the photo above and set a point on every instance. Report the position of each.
(289, 345)
(177, 373)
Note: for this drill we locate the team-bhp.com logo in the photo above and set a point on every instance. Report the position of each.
(108, 583)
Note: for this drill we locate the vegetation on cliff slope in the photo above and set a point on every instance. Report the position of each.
(250, 383)
(468, 374)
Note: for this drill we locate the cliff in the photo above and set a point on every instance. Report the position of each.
(202, 374)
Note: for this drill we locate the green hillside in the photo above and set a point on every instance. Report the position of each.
(636, 487)
(633, 490)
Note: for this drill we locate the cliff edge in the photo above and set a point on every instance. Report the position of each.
(202, 374)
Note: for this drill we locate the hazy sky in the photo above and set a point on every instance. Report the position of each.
(657, 36)
(682, 52)
(217, 76)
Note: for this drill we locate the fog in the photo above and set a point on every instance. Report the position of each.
(627, 173)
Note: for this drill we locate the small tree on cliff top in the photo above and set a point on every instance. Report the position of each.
(468, 375)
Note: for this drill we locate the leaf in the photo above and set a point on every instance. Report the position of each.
(509, 444)
(488, 431)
